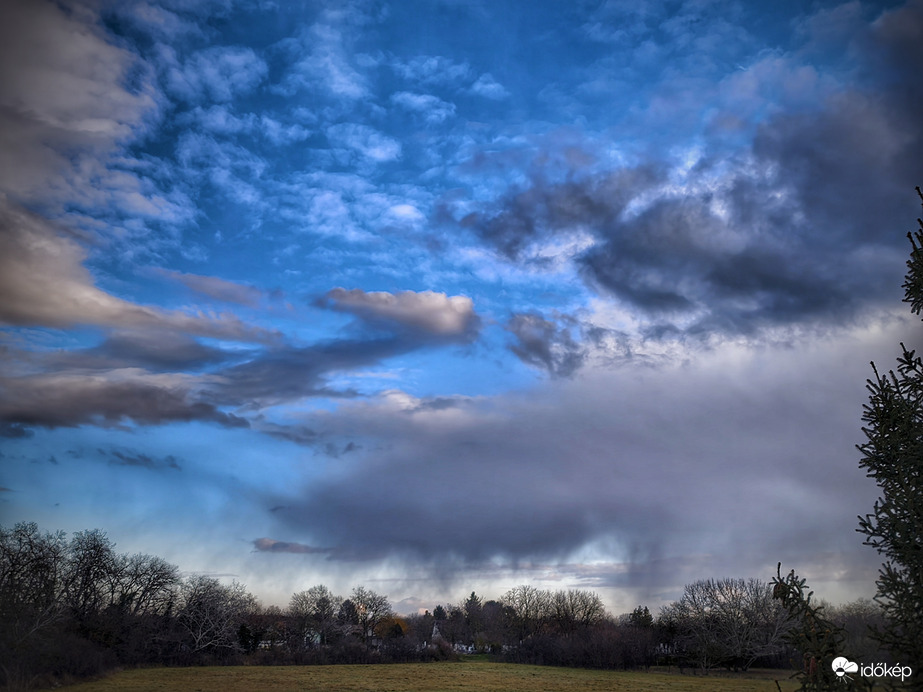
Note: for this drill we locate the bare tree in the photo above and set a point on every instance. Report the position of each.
(92, 577)
(729, 622)
(530, 607)
(315, 610)
(575, 609)
(371, 608)
(146, 585)
(32, 568)
(211, 612)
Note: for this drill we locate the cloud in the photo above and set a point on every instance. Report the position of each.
(281, 134)
(268, 545)
(216, 74)
(629, 466)
(213, 287)
(432, 109)
(543, 344)
(432, 69)
(113, 384)
(70, 99)
(289, 373)
(14, 430)
(43, 282)
(129, 458)
(490, 88)
(109, 399)
(803, 227)
(218, 119)
(151, 349)
(366, 141)
(426, 313)
(232, 169)
(323, 62)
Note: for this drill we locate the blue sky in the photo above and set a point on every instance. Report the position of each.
(450, 295)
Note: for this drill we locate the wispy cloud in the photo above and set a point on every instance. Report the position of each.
(119, 457)
(113, 399)
(214, 287)
(43, 282)
(269, 545)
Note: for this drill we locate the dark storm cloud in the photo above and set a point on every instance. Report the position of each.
(802, 228)
(544, 344)
(545, 208)
(702, 459)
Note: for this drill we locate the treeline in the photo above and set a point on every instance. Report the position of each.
(74, 608)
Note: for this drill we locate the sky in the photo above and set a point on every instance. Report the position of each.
(452, 295)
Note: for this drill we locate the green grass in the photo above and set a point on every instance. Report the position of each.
(466, 676)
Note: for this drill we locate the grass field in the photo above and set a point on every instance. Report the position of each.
(466, 676)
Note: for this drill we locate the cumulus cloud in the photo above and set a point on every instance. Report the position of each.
(427, 312)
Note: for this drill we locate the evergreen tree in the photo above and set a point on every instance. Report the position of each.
(641, 617)
(818, 641)
(893, 456)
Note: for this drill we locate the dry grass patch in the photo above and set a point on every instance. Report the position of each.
(415, 677)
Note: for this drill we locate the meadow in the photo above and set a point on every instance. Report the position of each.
(466, 676)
